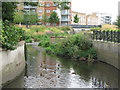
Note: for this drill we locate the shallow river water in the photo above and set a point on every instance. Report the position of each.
(45, 71)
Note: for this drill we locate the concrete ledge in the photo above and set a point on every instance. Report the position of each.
(12, 63)
(108, 52)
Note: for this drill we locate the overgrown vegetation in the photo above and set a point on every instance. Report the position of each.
(118, 22)
(11, 35)
(73, 46)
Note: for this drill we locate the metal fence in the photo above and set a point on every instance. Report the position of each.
(112, 36)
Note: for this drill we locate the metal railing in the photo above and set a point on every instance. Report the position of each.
(112, 36)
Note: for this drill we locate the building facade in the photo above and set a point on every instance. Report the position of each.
(81, 16)
(92, 19)
(45, 8)
(104, 18)
(84, 19)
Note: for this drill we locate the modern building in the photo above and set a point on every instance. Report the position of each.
(66, 13)
(81, 16)
(104, 18)
(46, 7)
(84, 19)
(119, 8)
(92, 19)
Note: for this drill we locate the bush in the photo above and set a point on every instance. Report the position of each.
(65, 28)
(93, 29)
(75, 46)
(11, 35)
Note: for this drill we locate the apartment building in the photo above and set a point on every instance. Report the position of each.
(84, 19)
(104, 18)
(66, 14)
(81, 16)
(92, 19)
(44, 10)
(46, 7)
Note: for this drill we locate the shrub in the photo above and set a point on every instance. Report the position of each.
(75, 46)
(11, 36)
(93, 29)
(65, 28)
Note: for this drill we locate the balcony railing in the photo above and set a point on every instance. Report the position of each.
(65, 13)
(65, 20)
(30, 7)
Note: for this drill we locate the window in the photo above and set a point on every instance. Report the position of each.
(47, 23)
(47, 11)
(40, 4)
(40, 17)
(54, 10)
(55, 4)
(40, 11)
(48, 17)
(48, 5)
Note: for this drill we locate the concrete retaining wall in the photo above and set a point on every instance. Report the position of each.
(108, 52)
(12, 63)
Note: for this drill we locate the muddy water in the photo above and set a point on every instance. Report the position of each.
(45, 71)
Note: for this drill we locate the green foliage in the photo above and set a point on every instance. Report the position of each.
(31, 3)
(75, 46)
(8, 9)
(53, 18)
(11, 36)
(45, 19)
(76, 19)
(65, 28)
(30, 18)
(63, 5)
(118, 22)
(93, 29)
(18, 17)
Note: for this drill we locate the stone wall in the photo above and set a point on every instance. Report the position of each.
(108, 52)
(12, 63)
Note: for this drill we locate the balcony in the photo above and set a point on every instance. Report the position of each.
(65, 20)
(65, 13)
(66, 0)
(29, 7)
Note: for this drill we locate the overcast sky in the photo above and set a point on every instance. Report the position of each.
(101, 6)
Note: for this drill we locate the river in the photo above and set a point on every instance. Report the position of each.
(45, 71)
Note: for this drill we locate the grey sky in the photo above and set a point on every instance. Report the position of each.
(101, 6)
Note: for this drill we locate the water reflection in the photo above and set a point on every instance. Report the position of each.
(44, 71)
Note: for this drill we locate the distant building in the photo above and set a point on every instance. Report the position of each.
(84, 19)
(92, 19)
(119, 8)
(81, 16)
(104, 18)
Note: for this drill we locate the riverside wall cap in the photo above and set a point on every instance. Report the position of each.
(19, 44)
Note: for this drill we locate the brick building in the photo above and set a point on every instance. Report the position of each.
(45, 8)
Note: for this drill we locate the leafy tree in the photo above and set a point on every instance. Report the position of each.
(76, 19)
(118, 22)
(19, 17)
(53, 18)
(8, 9)
(31, 3)
(45, 19)
(63, 5)
(30, 18)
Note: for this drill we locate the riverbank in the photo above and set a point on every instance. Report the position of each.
(46, 71)
(108, 52)
(13, 63)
